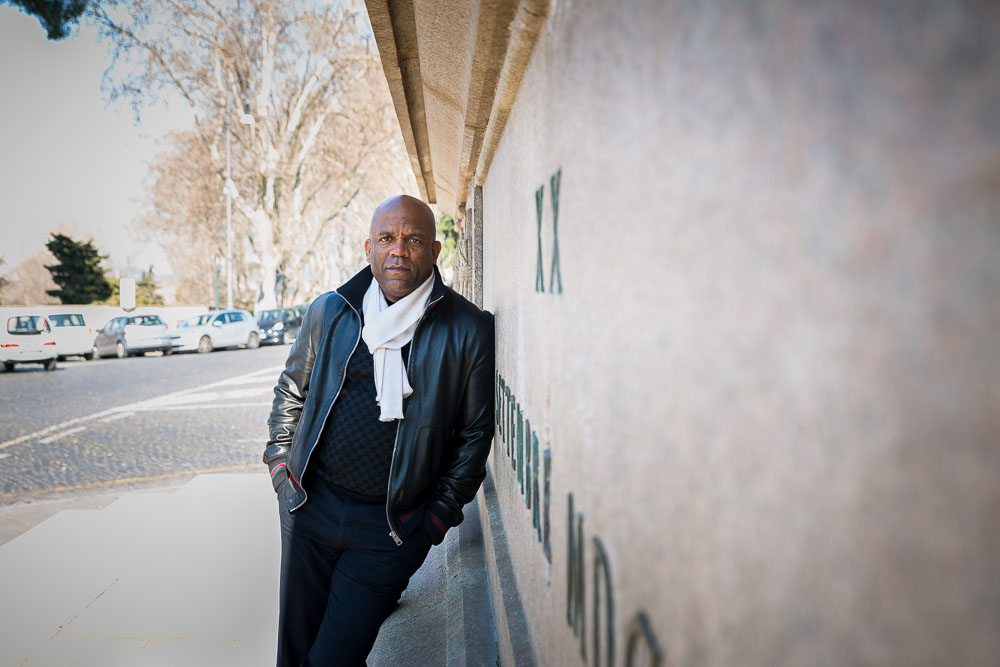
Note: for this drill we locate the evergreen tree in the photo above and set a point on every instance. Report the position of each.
(448, 237)
(78, 273)
(57, 16)
(145, 290)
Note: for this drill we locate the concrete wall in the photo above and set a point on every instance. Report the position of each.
(771, 382)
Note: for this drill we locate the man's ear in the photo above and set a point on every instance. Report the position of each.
(436, 250)
(368, 251)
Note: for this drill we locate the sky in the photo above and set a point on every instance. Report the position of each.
(68, 160)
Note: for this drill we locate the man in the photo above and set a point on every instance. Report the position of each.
(379, 433)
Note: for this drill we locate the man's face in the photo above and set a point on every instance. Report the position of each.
(401, 248)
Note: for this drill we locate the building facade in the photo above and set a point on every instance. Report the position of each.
(745, 265)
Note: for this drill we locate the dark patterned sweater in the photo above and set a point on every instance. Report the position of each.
(355, 450)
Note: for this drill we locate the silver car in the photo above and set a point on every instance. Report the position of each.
(133, 335)
(226, 328)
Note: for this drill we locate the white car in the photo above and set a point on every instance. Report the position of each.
(27, 339)
(73, 336)
(226, 328)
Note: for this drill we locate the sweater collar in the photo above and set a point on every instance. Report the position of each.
(354, 289)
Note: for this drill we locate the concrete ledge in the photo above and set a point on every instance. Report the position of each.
(513, 632)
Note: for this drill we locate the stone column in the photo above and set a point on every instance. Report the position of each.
(477, 245)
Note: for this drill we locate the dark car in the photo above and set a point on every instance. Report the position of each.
(279, 325)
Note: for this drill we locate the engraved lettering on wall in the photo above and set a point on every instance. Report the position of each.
(555, 273)
(604, 609)
(555, 265)
(641, 647)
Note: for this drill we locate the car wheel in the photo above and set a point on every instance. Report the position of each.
(50, 365)
(253, 341)
(120, 350)
(205, 345)
(8, 366)
(94, 353)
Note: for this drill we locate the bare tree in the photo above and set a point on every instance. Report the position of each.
(4, 281)
(29, 282)
(322, 151)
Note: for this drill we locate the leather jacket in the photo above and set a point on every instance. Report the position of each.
(443, 441)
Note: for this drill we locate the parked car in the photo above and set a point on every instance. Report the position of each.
(279, 325)
(27, 339)
(133, 335)
(219, 329)
(73, 336)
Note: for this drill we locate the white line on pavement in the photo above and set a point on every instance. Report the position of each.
(58, 436)
(116, 417)
(131, 407)
(194, 406)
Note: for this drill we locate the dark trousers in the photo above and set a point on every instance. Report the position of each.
(341, 576)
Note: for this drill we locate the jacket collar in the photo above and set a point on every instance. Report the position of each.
(354, 289)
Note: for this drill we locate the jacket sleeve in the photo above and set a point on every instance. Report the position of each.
(290, 393)
(473, 435)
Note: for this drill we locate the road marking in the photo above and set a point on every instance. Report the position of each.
(114, 418)
(205, 397)
(133, 406)
(59, 436)
(159, 408)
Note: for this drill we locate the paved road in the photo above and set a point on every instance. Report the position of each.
(101, 424)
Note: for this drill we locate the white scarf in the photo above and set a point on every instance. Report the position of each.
(387, 329)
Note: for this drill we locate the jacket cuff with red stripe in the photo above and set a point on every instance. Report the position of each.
(279, 475)
(434, 527)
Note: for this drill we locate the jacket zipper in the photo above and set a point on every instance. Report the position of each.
(335, 397)
(395, 444)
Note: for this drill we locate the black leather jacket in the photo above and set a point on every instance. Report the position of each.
(442, 442)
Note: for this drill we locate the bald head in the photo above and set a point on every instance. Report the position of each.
(401, 246)
(409, 207)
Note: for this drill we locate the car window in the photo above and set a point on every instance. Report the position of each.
(236, 317)
(67, 320)
(146, 320)
(198, 320)
(27, 324)
(270, 315)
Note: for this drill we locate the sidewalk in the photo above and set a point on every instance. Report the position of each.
(189, 577)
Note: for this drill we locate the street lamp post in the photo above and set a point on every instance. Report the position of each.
(229, 219)
(218, 270)
(245, 119)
